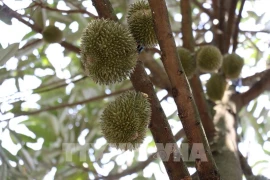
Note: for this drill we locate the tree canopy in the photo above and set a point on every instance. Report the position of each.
(51, 109)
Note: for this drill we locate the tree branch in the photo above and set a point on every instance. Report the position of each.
(36, 28)
(158, 75)
(181, 92)
(200, 6)
(247, 171)
(136, 168)
(250, 80)
(159, 125)
(82, 11)
(236, 30)
(188, 42)
(69, 105)
(141, 165)
(257, 88)
(188, 39)
(230, 25)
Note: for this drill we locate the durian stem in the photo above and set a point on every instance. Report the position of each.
(159, 125)
(182, 94)
(189, 43)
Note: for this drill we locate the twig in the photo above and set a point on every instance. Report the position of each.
(69, 105)
(136, 168)
(200, 6)
(82, 11)
(141, 165)
(181, 92)
(41, 90)
(59, 86)
(36, 28)
(236, 30)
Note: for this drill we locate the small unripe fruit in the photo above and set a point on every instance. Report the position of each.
(108, 51)
(232, 65)
(188, 61)
(209, 58)
(52, 34)
(124, 121)
(216, 86)
(140, 23)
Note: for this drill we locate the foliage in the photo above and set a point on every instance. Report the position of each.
(55, 109)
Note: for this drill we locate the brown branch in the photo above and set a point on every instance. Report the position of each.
(141, 165)
(221, 26)
(136, 168)
(247, 171)
(230, 25)
(155, 50)
(198, 93)
(188, 39)
(236, 30)
(181, 92)
(159, 125)
(158, 75)
(36, 28)
(39, 90)
(59, 86)
(200, 6)
(257, 88)
(104, 9)
(219, 29)
(250, 80)
(188, 42)
(19, 17)
(82, 11)
(69, 105)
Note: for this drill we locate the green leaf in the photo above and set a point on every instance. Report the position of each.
(29, 47)
(9, 156)
(9, 52)
(4, 16)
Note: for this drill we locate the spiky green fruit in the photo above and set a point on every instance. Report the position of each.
(188, 61)
(140, 23)
(232, 65)
(209, 58)
(52, 34)
(124, 121)
(216, 86)
(108, 51)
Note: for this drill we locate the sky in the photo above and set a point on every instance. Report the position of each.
(15, 33)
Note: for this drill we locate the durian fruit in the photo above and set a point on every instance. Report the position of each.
(140, 23)
(108, 51)
(52, 34)
(232, 65)
(124, 121)
(209, 58)
(188, 61)
(216, 86)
